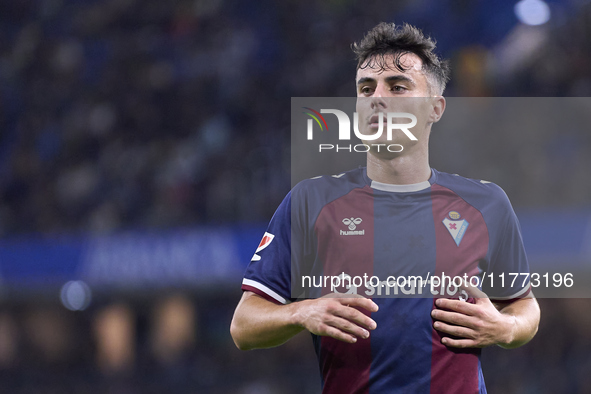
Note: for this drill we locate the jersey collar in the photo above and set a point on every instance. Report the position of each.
(414, 187)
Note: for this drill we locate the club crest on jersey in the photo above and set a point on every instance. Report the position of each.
(266, 241)
(456, 226)
(351, 224)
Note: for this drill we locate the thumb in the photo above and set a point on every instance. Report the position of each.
(474, 292)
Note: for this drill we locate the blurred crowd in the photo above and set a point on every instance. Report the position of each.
(123, 114)
(127, 113)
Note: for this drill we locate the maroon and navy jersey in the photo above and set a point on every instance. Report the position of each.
(349, 224)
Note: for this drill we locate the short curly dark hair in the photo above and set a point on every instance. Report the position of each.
(389, 39)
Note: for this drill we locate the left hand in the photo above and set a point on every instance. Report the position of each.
(475, 325)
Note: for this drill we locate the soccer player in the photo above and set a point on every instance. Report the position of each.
(397, 216)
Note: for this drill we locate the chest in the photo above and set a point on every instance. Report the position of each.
(412, 234)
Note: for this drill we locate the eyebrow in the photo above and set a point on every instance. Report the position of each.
(391, 79)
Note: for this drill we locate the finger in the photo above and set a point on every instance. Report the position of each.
(347, 326)
(342, 295)
(458, 319)
(459, 343)
(457, 331)
(357, 317)
(354, 300)
(473, 291)
(335, 333)
(456, 305)
(364, 303)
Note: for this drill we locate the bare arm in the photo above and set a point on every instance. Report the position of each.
(524, 315)
(484, 323)
(258, 323)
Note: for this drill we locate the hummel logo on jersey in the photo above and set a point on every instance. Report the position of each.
(456, 226)
(266, 241)
(352, 225)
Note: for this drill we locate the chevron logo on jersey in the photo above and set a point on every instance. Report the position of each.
(266, 241)
(456, 226)
(352, 223)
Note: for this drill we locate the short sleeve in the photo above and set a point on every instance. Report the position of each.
(269, 271)
(507, 275)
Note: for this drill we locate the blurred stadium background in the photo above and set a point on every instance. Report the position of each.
(145, 144)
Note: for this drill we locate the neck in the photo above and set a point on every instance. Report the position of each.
(400, 170)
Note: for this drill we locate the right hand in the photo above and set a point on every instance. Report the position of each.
(335, 315)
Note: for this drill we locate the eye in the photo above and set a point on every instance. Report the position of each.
(398, 88)
(366, 90)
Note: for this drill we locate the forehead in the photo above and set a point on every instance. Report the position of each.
(411, 63)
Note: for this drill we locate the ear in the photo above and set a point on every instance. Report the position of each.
(438, 109)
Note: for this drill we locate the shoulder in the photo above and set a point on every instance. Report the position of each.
(330, 185)
(477, 192)
(310, 196)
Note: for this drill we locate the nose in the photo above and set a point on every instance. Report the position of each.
(381, 90)
(377, 98)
